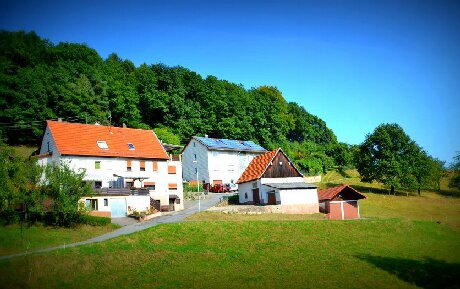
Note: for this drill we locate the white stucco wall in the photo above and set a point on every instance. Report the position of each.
(246, 188)
(213, 165)
(138, 203)
(299, 196)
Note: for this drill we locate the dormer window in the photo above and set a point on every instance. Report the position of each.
(102, 144)
(131, 146)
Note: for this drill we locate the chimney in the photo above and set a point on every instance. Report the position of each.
(124, 125)
(206, 136)
(60, 119)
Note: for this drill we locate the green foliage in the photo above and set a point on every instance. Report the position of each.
(455, 181)
(40, 81)
(388, 155)
(65, 187)
(94, 220)
(167, 136)
(18, 191)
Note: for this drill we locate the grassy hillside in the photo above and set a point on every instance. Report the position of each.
(13, 239)
(387, 253)
(24, 151)
(402, 242)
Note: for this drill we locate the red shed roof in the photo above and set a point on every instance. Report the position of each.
(330, 193)
(82, 139)
(257, 167)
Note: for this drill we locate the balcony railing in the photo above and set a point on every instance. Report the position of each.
(122, 191)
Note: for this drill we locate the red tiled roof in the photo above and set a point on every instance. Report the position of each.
(81, 139)
(330, 193)
(257, 167)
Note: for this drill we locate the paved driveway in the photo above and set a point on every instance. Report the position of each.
(191, 207)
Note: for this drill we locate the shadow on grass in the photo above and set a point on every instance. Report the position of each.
(428, 273)
(446, 193)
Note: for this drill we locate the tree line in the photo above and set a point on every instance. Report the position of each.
(40, 80)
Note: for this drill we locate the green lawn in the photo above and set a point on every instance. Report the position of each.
(402, 242)
(381, 253)
(14, 240)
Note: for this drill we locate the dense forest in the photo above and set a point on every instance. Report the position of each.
(40, 80)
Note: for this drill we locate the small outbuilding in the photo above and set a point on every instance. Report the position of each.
(340, 203)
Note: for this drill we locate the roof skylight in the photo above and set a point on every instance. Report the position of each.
(131, 146)
(102, 144)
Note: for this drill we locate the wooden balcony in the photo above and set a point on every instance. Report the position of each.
(122, 191)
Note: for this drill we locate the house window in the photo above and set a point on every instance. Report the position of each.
(142, 166)
(128, 166)
(131, 146)
(130, 185)
(106, 202)
(171, 170)
(97, 184)
(155, 166)
(194, 144)
(102, 144)
(178, 201)
(194, 156)
(245, 195)
(254, 185)
(149, 185)
(97, 165)
(91, 204)
(196, 170)
(172, 187)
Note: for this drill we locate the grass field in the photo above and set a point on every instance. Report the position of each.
(402, 242)
(13, 239)
(387, 253)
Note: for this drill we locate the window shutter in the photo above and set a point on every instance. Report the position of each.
(171, 169)
(155, 166)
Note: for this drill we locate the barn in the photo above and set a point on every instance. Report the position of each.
(340, 203)
(272, 179)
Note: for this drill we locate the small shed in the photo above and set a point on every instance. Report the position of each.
(340, 203)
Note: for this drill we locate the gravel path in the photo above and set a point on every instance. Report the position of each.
(191, 207)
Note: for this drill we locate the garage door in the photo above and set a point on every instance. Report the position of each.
(335, 211)
(350, 210)
(118, 208)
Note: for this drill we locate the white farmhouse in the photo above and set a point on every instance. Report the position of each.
(272, 179)
(129, 169)
(217, 161)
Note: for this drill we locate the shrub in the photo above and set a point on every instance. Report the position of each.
(10, 216)
(94, 221)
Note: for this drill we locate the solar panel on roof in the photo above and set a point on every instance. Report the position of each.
(230, 144)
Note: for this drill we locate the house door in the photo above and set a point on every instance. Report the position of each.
(255, 196)
(118, 208)
(171, 204)
(272, 198)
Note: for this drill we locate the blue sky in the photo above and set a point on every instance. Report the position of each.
(355, 64)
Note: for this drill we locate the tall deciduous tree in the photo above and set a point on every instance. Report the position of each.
(386, 156)
(455, 181)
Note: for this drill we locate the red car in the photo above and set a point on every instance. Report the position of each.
(218, 188)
